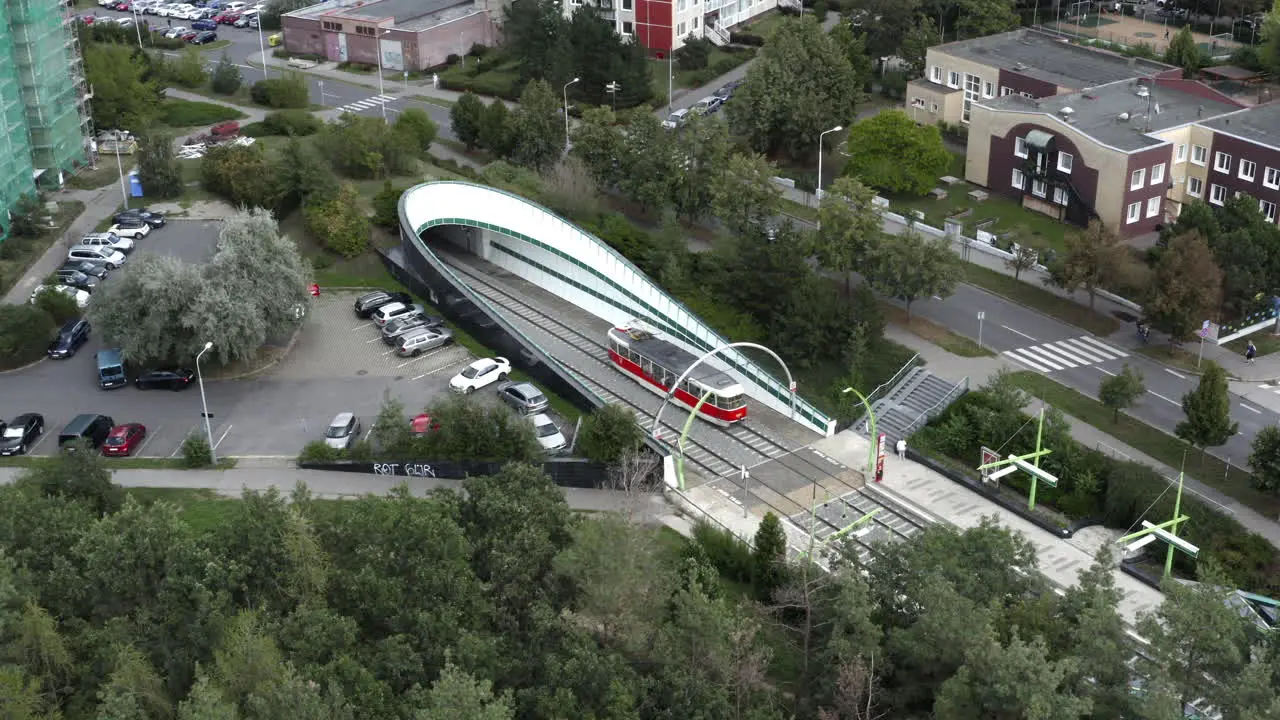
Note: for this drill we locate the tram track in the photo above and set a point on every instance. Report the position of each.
(844, 502)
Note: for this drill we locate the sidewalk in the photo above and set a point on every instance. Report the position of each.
(98, 204)
(979, 370)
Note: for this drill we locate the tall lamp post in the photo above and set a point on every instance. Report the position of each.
(262, 49)
(208, 431)
(124, 194)
(137, 25)
(381, 95)
(837, 128)
(871, 429)
(613, 89)
(566, 112)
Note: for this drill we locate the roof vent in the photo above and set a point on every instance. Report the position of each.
(1019, 66)
(1066, 113)
(1123, 117)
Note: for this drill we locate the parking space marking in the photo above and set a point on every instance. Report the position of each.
(372, 340)
(146, 441)
(424, 356)
(361, 327)
(194, 428)
(43, 434)
(388, 352)
(224, 436)
(369, 431)
(446, 367)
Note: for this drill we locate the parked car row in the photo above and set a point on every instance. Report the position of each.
(404, 324)
(100, 432)
(708, 105)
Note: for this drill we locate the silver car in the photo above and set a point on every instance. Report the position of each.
(392, 331)
(549, 436)
(523, 397)
(342, 432)
(422, 339)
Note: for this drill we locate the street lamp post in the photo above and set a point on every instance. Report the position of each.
(262, 49)
(381, 94)
(137, 25)
(120, 167)
(837, 128)
(871, 429)
(566, 112)
(613, 89)
(208, 431)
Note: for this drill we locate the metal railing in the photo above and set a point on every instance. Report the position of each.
(935, 409)
(715, 34)
(891, 384)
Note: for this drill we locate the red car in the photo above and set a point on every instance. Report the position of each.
(188, 37)
(121, 6)
(422, 424)
(227, 18)
(123, 439)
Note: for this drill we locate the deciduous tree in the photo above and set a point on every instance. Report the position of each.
(910, 266)
(226, 79)
(1120, 391)
(1264, 460)
(122, 97)
(916, 41)
(1186, 288)
(301, 177)
(418, 130)
(537, 127)
(849, 227)
(701, 148)
(609, 434)
(1092, 259)
(465, 117)
(386, 206)
(976, 18)
(158, 169)
(1025, 255)
(1270, 49)
(241, 175)
(1208, 410)
(744, 196)
(81, 476)
(340, 223)
(188, 70)
(456, 695)
(889, 150)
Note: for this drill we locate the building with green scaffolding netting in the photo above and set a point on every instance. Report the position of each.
(44, 123)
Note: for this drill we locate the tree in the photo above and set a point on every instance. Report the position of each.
(1120, 391)
(79, 476)
(701, 150)
(1014, 680)
(456, 695)
(206, 703)
(744, 196)
(599, 143)
(25, 331)
(598, 56)
(910, 266)
(915, 43)
(418, 129)
(188, 71)
(301, 177)
(27, 216)
(1186, 287)
(365, 147)
(1184, 52)
(239, 174)
(287, 91)
(889, 150)
(386, 206)
(60, 306)
(609, 434)
(1091, 259)
(694, 54)
(650, 168)
(852, 42)
(158, 169)
(537, 129)
(1026, 255)
(495, 129)
(976, 18)
(144, 311)
(466, 117)
(340, 223)
(1208, 410)
(768, 557)
(122, 98)
(801, 85)
(849, 226)
(1270, 49)
(226, 79)
(1264, 460)
(391, 433)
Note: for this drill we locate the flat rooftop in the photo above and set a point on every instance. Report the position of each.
(1260, 124)
(1096, 112)
(405, 14)
(1050, 58)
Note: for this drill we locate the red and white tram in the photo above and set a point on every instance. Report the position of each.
(656, 364)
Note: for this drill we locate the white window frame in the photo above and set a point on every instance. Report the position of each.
(1071, 160)
(1252, 168)
(1019, 179)
(953, 79)
(1181, 155)
(1020, 147)
(917, 102)
(1222, 162)
(1133, 213)
(1268, 213)
(1271, 178)
(694, 19)
(682, 5)
(1039, 188)
(1153, 206)
(935, 74)
(1138, 179)
(1195, 187)
(1218, 194)
(933, 108)
(988, 90)
(1060, 196)
(680, 30)
(1201, 152)
(1157, 174)
(1005, 90)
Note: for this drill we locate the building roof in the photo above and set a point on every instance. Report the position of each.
(1259, 124)
(1047, 57)
(934, 87)
(404, 14)
(1096, 112)
(1232, 72)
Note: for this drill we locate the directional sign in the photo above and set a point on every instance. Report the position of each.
(982, 315)
(793, 386)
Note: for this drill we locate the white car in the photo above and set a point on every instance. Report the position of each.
(343, 431)
(81, 297)
(133, 233)
(108, 240)
(387, 313)
(177, 32)
(480, 373)
(549, 436)
(110, 259)
(105, 3)
(676, 119)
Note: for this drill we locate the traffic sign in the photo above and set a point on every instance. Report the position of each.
(988, 456)
(793, 386)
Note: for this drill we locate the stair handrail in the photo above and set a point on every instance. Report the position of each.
(874, 396)
(715, 30)
(956, 391)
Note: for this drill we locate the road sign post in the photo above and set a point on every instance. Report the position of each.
(880, 457)
(988, 456)
(981, 316)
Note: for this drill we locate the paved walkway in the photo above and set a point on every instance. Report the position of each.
(97, 204)
(979, 370)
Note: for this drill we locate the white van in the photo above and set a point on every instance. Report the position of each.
(235, 6)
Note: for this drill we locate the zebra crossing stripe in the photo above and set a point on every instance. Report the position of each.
(1040, 358)
(1033, 365)
(363, 104)
(1050, 353)
(1103, 346)
(1066, 351)
(383, 98)
(1084, 350)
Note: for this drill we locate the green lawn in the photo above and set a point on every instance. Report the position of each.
(766, 26)
(21, 253)
(105, 174)
(1263, 340)
(190, 113)
(804, 212)
(952, 342)
(442, 102)
(1024, 293)
(1149, 440)
(719, 62)
(496, 77)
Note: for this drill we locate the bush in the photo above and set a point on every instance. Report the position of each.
(190, 113)
(725, 551)
(292, 123)
(317, 452)
(609, 434)
(196, 452)
(478, 50)
(357, 67)
(255, 130)
(452, 59)
(694, 54)
(340, 223)
(289, 91)
(386, 206)
(25, 331)
(746, 38)
(60, 306)
(226, 78)
(188, 70)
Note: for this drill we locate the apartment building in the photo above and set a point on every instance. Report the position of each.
(1025, 62)
(1239, 154)
(44, 120)
(662, 26)
(1129, 153)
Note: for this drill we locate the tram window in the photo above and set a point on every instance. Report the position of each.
(646, 366)
(729, 402)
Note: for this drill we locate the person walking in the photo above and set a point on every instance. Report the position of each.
(901, 447)
(1250, 353)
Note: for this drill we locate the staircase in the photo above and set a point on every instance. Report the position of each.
(718, 37)
(913, 402)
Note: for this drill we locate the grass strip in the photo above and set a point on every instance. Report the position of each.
(933, 332)
(1024, 293)
(1152, 441)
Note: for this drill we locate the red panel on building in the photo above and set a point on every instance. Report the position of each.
(653, 24)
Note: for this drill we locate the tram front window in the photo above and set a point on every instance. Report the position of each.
(729, 403)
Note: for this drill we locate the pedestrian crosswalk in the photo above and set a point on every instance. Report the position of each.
(366, 104)
(1063, 354)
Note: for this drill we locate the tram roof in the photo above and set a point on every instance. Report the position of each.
(676, 359)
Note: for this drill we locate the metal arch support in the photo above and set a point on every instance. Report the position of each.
(666, 398)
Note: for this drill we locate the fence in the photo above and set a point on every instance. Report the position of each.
(565, 472)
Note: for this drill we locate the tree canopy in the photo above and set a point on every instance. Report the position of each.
(890, 151)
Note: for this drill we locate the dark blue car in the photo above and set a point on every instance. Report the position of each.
(204, 25)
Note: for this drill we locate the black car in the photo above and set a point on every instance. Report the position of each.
(88, 267)
(205, 38)
(726, 91)
(154, 219)
(20, 434)
(367, 304)
(76, 279)
(71, 336)
(164, 378)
